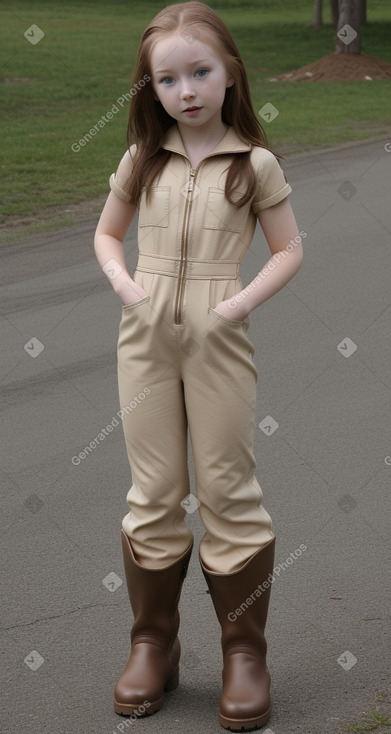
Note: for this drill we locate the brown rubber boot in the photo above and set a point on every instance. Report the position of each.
(241, 603)
(153, 665)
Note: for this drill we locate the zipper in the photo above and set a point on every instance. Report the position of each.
(184, 249)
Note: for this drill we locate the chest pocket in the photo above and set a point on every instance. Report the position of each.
(221, 215)
(157, 211)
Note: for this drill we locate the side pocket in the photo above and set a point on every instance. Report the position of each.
(135, 305)
(225, 319)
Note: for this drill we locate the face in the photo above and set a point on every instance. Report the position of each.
(188, 74)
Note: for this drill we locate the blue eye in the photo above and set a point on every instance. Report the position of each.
(201, 73)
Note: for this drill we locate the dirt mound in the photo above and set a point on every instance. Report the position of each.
(340, 67)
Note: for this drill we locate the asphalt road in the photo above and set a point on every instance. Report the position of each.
(323, 354)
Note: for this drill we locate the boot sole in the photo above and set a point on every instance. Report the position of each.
(127, 709)
(245, 724)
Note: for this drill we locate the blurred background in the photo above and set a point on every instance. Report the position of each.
(65, 64)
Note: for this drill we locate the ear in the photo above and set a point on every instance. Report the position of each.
(230, 82)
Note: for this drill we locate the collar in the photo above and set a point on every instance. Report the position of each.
(231, 143)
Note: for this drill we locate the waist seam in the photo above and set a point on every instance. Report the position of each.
(194, 269)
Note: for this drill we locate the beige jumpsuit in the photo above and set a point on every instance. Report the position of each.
(182, 365)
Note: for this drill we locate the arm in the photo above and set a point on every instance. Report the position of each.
(282, 235)
(115, 220)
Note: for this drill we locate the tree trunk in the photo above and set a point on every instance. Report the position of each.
(363, 12)
(334, 11)
(348, 39)
(317, 20)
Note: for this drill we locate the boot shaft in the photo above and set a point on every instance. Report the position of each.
(154, 593)
(241, 600)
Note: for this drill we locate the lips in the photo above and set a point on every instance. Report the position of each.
(189, 109)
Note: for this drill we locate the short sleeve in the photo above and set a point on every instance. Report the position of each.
(272, 184)
(119, 179)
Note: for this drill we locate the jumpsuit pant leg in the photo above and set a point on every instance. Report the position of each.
(199, 374)
(220, 381)
(155, 431)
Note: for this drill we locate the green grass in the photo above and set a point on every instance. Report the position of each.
(84, 63)
(374, 720)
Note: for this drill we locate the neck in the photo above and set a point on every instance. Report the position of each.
(197, 138)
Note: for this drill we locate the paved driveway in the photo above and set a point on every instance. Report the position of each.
(323, 354)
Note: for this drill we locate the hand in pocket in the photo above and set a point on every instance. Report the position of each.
(225, 309)
(137, 297)
(128, 291)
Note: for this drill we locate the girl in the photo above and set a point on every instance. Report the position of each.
(200, 174)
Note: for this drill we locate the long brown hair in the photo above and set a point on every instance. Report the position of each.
(148, 120)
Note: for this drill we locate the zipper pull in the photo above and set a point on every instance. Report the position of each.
(191, 180)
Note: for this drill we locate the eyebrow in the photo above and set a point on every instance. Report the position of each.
(191, 63)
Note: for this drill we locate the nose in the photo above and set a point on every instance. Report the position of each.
(187, 91)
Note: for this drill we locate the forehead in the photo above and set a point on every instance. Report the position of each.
(180, 49)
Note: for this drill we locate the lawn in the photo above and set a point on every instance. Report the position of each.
(54, 91)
